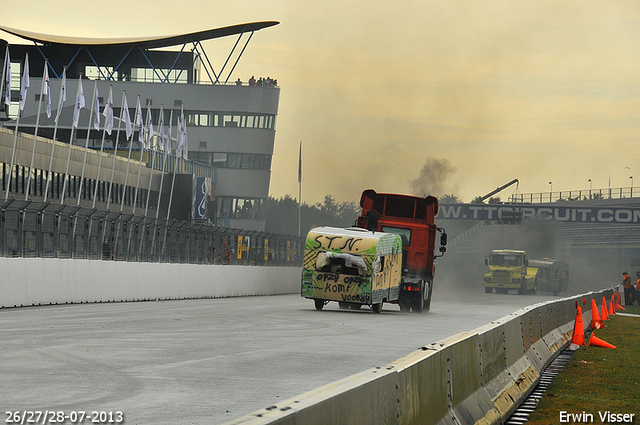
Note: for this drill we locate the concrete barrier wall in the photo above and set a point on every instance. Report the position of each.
(36, 281)
(477, 377)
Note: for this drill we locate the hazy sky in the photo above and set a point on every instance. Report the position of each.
(445, 97)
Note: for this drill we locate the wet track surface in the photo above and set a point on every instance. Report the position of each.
(212, 360)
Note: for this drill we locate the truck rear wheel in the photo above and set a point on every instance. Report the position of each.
(418, 306)
(488, 290)
(377, 308)
(427, 303)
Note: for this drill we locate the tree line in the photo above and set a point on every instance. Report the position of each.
(281, 215)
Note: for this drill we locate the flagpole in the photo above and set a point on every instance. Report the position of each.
(126, 174)
(140, 139)
(55, 129)
(115, 149)
(153, 156)
(164, 161)
(299, 187)
(15, 133)
(13, 153)
(4, 75)
(35, 134)
(104, 133)
(86, 143)
(79, 104)
(173, 180)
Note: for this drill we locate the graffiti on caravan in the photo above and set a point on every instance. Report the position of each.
(570, 214)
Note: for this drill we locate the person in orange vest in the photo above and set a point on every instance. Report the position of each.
(628, 288)
(637, 288)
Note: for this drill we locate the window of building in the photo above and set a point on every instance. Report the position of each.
(219, 160)
(100, 73)
(241, 208)
(234, 160)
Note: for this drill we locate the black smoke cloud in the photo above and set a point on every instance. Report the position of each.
(433, 177)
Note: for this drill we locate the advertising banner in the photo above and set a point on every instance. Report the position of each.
(559, 213)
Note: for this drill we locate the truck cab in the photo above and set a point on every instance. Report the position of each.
(509, 269)
(411, 217)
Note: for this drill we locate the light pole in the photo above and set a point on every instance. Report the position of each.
(550, 190)
(631, 193)
(589, 188)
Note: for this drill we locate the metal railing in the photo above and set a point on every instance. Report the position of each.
(38, 229)
(575, 195)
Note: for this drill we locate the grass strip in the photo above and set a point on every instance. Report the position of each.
(598, 380)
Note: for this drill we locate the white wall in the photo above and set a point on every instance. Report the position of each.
(34, 281)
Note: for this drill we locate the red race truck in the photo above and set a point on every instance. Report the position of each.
(411, 217)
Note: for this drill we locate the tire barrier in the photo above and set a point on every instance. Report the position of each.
(477, 377)
(41, 281)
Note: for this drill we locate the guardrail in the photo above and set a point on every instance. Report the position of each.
(574, 195)
(37, 229)
(476, 377)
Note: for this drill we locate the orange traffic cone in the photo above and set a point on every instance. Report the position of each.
(578, 331)
(612, 310)
(618, 304)
(597, 342)
(603, 310)
(596, 322)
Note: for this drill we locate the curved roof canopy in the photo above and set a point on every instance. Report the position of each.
(143, 42)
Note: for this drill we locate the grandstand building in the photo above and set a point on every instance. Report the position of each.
(230, 127)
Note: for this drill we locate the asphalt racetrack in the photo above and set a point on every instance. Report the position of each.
(209, 361)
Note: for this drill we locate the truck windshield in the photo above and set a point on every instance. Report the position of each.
(405, 234)
(505, 260)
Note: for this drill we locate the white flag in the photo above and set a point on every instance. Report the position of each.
(25, 83)
(168, 142)
(96, 109)
(126, 117)
(161, 130)
(183, 135)
(63, 94)
(138, 121)
(47, 89)
(7, 80)
(79, 104)
(147, 141)
(179, 138)
(108, 113)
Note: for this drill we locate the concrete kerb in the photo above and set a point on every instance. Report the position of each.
(477, 377)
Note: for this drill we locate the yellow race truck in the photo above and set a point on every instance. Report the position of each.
(509, 269)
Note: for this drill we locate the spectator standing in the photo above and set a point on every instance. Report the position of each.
(628, 288)
(238, 82)
(252, 81)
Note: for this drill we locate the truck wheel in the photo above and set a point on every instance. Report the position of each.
(377, 308)
(319, 304)
(418, 306)
(523, 287)
(488, 290)
(405, 306)
(535, 287)
(427, 302)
